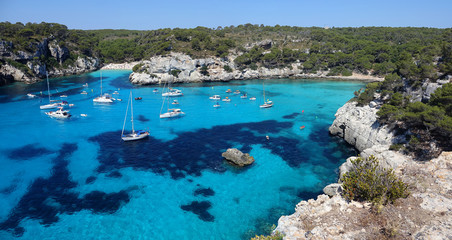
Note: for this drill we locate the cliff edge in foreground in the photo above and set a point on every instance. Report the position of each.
(425, 214)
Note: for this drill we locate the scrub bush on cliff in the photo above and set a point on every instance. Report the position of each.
(368, 181)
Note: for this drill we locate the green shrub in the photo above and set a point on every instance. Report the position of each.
(175, 72)
(368, 181)
(227, 68)
(204, 70)
(368, 94)
(275, 236)
(137, 68)
(396, 147)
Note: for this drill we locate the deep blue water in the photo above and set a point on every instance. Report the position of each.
(75, 178)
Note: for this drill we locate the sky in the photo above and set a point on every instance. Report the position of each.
(151, 14)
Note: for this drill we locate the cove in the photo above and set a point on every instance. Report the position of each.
(70, 178)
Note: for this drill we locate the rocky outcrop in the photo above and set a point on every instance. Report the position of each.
(360, 128)
(119, 66)
(181, 68)
(236, 157)
(425, 214)
(27, 66)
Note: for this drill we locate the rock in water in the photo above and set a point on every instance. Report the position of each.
(238, 158)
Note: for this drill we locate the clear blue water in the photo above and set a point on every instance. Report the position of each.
(66, 179)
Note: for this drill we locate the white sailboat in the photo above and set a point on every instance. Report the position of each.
(134, 135)
(268, 103)
(105, 98)
(171, 112)
(50, 105)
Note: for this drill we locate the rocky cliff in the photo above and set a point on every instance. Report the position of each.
(181, 68)
(425, 214)
(31, 67)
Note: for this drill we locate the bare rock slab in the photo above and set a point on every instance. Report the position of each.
(236, 157)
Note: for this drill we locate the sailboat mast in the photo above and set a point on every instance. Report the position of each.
(125, 117)
(263, 87)
(48, 88)
(101, 83)
(131, 108)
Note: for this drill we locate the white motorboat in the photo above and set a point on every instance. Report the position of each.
(105, 98)
(134, 135)
(236, 92)
(30, 95)
(172, 93)
(252, 98)
(217, 105)
(244, 96)
(60, 113)
(85, 85)
(215, 97)
(63, 96)
(268, 103)
(155, 90)
(115, 92)
(226, 99)
(175, 112)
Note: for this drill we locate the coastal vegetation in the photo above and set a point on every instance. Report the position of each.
(414, 53)
(368, 181)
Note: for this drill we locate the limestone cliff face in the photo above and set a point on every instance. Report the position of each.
(425, 213)
(29, 68)
(157, 70)
(359, 126)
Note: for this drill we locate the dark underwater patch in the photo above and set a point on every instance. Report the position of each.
(90, 179)
(27, 152)
(291, 116)
(49, 197)
(193, 152)
(114, 174)
(206, 192)
(142, 118)
(200, 209)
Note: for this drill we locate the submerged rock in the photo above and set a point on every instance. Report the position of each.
(238, 158)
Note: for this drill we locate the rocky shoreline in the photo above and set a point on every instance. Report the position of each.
(181, 68)
(425, 214)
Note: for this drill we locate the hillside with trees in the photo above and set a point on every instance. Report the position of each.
(414, 53)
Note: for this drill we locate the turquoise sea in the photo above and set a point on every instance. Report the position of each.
(76, 179)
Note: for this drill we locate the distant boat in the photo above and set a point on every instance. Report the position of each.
(228, 91)
(226, 99)
(252, 98)
(215, 97)
(138, 98)
(171, 112)
(83, 115)
(63, 96)
(85, 85)
(244, 96)
(172, 93)
(175, 102)
(106, 98)
(60, 113)
(268, 103)
(155, 90)
(217, 105)
(84, 92)
(236, 92)
(134, 135)
(115, 92)
(50, 105)
(30, 95)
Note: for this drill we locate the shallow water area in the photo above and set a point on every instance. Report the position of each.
(72, 178)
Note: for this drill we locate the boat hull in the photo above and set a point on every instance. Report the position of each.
(134, 136)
